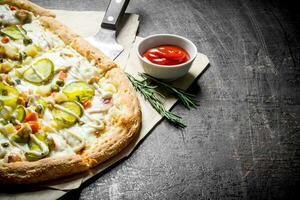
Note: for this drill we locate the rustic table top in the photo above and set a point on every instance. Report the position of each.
(243, 140)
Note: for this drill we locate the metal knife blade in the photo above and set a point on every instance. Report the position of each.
(105, 39)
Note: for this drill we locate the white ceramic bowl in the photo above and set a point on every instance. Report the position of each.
(166, 72)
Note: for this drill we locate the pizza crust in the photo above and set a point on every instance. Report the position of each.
(27, 5)
(78, 43)
(126, 128)
(45, 169)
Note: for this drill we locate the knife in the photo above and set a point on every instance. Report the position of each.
(105, 39)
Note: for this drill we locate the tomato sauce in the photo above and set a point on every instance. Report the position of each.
(167, 55)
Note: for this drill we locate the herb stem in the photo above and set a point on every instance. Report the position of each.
(149, 93)
(188, 100)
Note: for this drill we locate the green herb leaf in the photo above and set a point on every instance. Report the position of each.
(149, 93)
(188, 100)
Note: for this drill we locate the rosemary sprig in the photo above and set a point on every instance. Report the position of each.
(188, 100)
(149, 93)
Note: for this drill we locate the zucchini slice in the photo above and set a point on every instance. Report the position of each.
(8, 95)
(20, 113)
(38, 147)
(79, 91)
(14, 32)
(41, 72)
(67, 113)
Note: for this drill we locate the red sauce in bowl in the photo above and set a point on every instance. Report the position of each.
(167, 55)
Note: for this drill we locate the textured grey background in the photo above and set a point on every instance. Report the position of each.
(243, 140)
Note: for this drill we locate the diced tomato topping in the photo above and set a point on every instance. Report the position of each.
(62, 75)
(13, 8)
(18, 126)
(5, 40)
(13, 158)
(33, 116)
(34, 125)
(87, 104)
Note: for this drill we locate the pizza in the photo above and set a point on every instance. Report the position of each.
(64, 106)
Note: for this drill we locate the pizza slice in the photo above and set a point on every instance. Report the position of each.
(64, 106)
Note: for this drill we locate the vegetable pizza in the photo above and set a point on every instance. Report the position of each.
(64, 106)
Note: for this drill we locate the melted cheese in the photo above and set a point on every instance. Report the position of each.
(71, 140)
(7, 16)
(42, 38)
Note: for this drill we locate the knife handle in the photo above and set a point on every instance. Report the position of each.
(114, 13)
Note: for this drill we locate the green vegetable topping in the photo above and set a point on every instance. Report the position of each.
(40, 72)
(22, 135)
(5, 144)
(55, 88)
(60, 82)
(8, 95)
(18, 139)
(38, 147)
(18, 81)
(68, 115)
(27, 41)
(39, 108)
(14, 32)
(20, 113)
(24, 16)
(4, 92)
(79, 91)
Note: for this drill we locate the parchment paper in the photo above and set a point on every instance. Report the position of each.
(87, 24)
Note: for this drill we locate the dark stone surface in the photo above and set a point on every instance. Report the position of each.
(243, 140)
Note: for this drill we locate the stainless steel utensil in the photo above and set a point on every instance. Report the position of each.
(105, 39)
